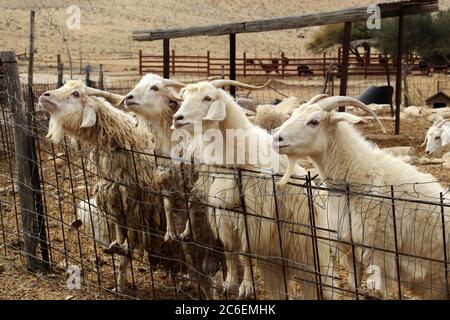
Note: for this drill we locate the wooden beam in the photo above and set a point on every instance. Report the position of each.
(166, 58)
(233, 62)
(293, 22)
(345, 57)
(398, 77)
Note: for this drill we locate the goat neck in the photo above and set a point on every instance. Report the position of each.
(346, 157)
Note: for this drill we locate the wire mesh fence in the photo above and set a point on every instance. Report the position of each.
(236, 230)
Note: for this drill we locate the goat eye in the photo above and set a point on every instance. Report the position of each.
(437, 138)
(76, 94)
(313, 123)
(207, 98)
(154, 88)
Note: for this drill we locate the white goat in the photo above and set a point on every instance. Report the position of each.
(154, 101)
(437, 136)
(130, 200)
(205, 105)
(270, 117)
(343, 156)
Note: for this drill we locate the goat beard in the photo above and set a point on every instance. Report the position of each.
(289, 170)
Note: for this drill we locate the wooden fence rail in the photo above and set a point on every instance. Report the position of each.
(208, 65)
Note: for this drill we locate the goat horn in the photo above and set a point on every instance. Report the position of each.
(332, 103)
(223, 83)
(173, 83)
(425, 141)
(442, 122)
(113, 98)
(316, 98)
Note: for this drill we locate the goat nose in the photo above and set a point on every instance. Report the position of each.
(129, 97)
(279, 138)
(176, 118)
(47, 94)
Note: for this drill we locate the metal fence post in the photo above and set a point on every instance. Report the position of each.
(244, 212)
(312, 223)
(397, 259)
(355, 276)
(441, 197)
(280, 240)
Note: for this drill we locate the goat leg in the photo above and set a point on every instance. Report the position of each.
(119, 249)
(170, 226)
(186, 234)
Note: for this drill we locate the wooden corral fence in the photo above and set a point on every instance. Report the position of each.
(282, 65)
(398, 9)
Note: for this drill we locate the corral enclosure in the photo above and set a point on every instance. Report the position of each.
(67, 177)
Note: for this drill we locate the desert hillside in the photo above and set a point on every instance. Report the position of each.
(106, 26)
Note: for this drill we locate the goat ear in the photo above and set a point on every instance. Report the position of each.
(343, 116)
(89, 117)
(216, 111)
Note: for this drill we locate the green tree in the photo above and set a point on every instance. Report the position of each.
(424, 34)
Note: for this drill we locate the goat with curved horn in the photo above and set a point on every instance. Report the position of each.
(114, 99)
(441, 123)
(174, 83)
(316, 98)
(224, 83)
(331, 103)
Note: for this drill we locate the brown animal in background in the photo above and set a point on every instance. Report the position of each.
(270, 67)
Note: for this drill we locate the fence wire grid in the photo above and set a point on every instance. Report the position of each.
(279, 247)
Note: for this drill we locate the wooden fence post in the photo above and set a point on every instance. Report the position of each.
(232, 63)
(60, 70)
(88, 76)
(140, 62)
(100, 78)
(208, 65)
(244, 58)
(30, 201)
(166, 58)
(173, 61)
(398, 77)
(345, 58)
(81, 62)
(324, 61)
